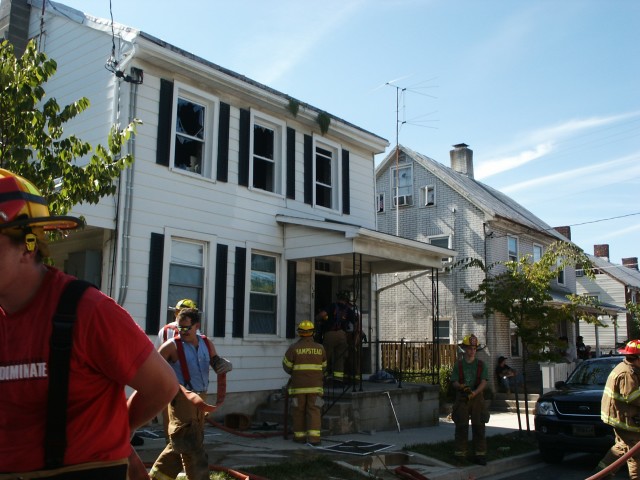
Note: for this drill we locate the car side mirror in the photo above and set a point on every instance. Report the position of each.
(560, 385)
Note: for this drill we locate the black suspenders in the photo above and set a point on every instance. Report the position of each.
(61, 342)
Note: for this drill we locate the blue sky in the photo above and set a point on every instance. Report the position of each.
(545, 92)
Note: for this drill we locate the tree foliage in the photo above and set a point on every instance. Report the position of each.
(32, 140)
(521, 292)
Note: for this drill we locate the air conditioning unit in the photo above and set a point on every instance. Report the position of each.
(402, 200)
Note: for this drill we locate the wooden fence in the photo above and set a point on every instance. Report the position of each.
(415, 356)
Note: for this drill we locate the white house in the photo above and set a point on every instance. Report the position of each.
(425, 200)
(239, 197)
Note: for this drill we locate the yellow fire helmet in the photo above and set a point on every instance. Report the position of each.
(185, 303)
(471, 341)
(305, 328)
(22, 205)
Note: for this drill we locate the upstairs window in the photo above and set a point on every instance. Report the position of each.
(263, 296)
(402, 185)
(327, 175)
(512, 246)
(429, 195)
(444, 242)
(267, 140)
(560, 273)
(380, 203)
(537, 252)
(194, 132)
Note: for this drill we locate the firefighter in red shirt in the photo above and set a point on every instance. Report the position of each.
(306, 362)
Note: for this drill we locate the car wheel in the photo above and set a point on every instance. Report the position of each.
(551, 455)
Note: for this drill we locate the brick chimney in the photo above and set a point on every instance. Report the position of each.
(601, 251)
(565, 231)
(462, 159)
(631, 262)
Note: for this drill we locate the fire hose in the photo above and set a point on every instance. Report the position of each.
(609, 469)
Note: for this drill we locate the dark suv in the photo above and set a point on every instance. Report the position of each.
(568, 418)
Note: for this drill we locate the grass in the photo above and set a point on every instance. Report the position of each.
(498, 446)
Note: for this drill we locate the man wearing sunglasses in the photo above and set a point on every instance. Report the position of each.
(190, 355)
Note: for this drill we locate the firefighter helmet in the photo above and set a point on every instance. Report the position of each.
(22, 205)
(185, 303)
(305, 328)
(471, 341)
(632, 348)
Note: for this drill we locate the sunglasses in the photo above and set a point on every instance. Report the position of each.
(185, 328)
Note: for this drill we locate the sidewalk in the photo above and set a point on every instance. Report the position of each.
(248, 448)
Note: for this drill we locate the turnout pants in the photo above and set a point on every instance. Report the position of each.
(463, 411)
(625, 440)
(335, 344)
(185, 449)
(306, 417)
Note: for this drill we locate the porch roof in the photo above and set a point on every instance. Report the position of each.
(560, 298)
(312, 238)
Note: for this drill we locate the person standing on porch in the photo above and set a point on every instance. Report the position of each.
(469, 378)
(335, 321)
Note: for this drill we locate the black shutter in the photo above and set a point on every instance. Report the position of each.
(239, 292)
(291, 299)
(223, 142)
(163, 145)
(308, 169)
(220, 308)
(291, 163)
(346, 192)
(243, 155)
(154, 284)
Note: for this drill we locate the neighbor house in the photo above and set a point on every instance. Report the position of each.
(614, 285)
(422, 199)
(256, 205)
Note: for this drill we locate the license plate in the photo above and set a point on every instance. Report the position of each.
(583, 430)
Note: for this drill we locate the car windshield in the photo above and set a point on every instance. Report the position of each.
(592, 372)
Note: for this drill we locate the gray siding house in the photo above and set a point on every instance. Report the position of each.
(422, 199)
(239, 197)
(615, 286)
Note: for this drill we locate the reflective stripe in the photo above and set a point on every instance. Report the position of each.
(307, 366)
(155, 473)
(622, 398)
(313, 433)
(302, 390)
(296, 435)
(287, 363)
(617, 424)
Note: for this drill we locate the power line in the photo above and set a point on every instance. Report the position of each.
(605, 219)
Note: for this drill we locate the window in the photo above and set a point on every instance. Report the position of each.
(193, 135)
(263, 294)
(186, 273)
(444, 242)
(560, 272)
(267, 140)
(537, 252)
(512, 245)
(429, 195)
(442, 334)
(327, 175)
(402, 185)
(380, 203)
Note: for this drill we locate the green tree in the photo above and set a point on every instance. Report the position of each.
(634, 313)
(32, 143)
(520, 291)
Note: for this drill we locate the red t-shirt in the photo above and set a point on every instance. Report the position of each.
(108, 349)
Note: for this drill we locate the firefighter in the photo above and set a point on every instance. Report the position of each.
(469, 378)
(336, 320)
(190, 355)
(620, 408)
(306, 362)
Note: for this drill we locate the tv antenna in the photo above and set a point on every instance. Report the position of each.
(417, 121)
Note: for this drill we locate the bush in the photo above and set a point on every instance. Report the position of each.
(446, 391)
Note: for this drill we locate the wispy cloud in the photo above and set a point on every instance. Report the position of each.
(601, 174)
(294, 40)
(544, 141)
